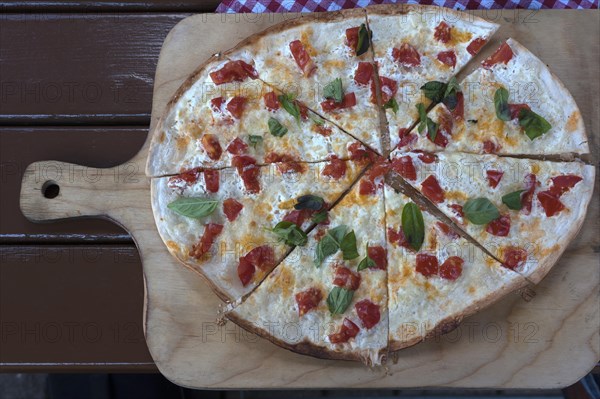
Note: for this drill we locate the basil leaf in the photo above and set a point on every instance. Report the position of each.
(413, 225)
(339, 299)
(319, 217)
(480, 211)
(276, 128)
(366, 262)
(316, 120)
(450, 95)
(290, 233)
(338, 233)
(255, 140)
(325, 247)
(422, 117)
(434, 90)
(289, 104)
(364, 36)
(193, 207)
(501, 104)
(432, 129)
(334, 90)
(513, 200)
(534, 124)
(348, 246)
(393, 104)
(452, 87)
(309, 202)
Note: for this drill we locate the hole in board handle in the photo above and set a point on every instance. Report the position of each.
(50, 189)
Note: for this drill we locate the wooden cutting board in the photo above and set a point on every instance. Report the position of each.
(544, 336)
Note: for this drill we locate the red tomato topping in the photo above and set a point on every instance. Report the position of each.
(211, 179)
(443, 32)
(352, 37)
(515, 109)
(406, 138)
(285, 163)
(298, 217)
(427, 265)
(236, 105)
(514, 257)
(368, 313)
(262, 257)
(550, 203)
(237, 147)
(271, 101)
(379, 256)
(475, 45)
(247, 169)
(308, 300)
(363, 73)
(458, 209)
(459, 110)
(562, 184)
(494, 177)
(446, 122)
(346, 278)
(232, 208)
(388, 86)
(360, 154)
(366, 187)
(406, 55)
(336, 168)
(188, 177)
(367, 183)
(527, 196)
(503, 54)
(324, 131)
(451, 269)
(216, 103)
(490, 147)
(499, 227)
(426, 157)
(302, 58)
(348, 101)
(397, 238)
(404, 167)
(303, 110)
(347, 331)
(432, 190)
(211, 145)
(211, 231)
(234, 71)
(245, 271)
(447, 230)
(447, 58)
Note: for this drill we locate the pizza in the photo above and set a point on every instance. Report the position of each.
(347, 196)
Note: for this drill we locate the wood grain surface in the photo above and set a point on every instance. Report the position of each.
(546, 336)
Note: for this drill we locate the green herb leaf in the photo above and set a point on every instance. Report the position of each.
(288, 102)
(364, 35)
(334, 90)
(422, 117)
(319, 217)
(501, 104)
(366, 262)
(193, 207)
(450, 95)
(276, 128)
(534, 124)
(339, 299)
(338, 233)
(480, 211)
(348, 246)
(255, 140)
(432, 129)
(413, 225)
(290, 233)
(513, 200)
(308, 201)
(330, 243)
(393, 104)
(434, 90)
(316, 119)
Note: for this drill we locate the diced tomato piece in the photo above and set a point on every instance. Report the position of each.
(379, 256)
(262, 257)
(211, 145)
(271, 101)
(237, 147)
(324, 131)
(562, 184)
(494, 177)
(348, 101)
(426, 157)
(443, 32)
(302, 58)
(527, 196)
(368, 313)
(476, 45)
(211, 231)
(336, 168)
(249, 172)
(490, 147)
(360, 154)
(447, 58)
(216, 103)
(366, 187)
(445, 122)
(432, 190)
(285, 163)
(502, 55)
(234, 71)
(232, 208)
(514, 257)
(308, 300)
(397, 237)
(499, 227)
(363, 73)
(459, 110)
(550, 203)
(404, 167)
(352, 37)
(303, 110)
(458, 209)
(380, 168)
(427, 265)
(447, 230)
(186, 178)
(451, 269)
(245, 271)
(388, 86)
(211, 179)
(347, 331)
(515, 109)
(406, 138)
(298, 216)
(236, 106)
(346, 278)
(406, 55)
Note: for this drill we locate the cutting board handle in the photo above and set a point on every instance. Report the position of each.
(53, 190)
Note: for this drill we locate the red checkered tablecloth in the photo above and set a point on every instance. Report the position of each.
(260, 6)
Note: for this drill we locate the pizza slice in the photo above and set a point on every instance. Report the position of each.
(324, 61)
(329, 298)
(512, 104)
(235, 224)
(435, 277)
(416, 45)
(224, 111)
(523, 211)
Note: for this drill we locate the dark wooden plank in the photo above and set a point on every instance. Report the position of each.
(90, 146)
(72, 308)
(79, 68)
(109, 5)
